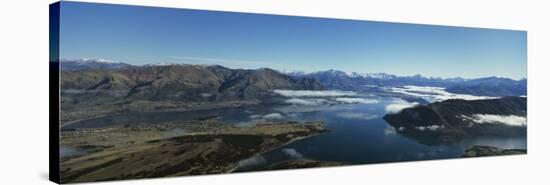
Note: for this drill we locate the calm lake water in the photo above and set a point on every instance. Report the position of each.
(358, 134)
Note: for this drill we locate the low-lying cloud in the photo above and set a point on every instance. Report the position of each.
(398, 105)
(309, 93)
(306, 101)
(252, 162)
(274, 116)
(256, 119)
(356, 100)
(206, 95)
(390, 131)
(433, 94)
(430, 127)
(356, 115)
(293, 153)
(327, 100)
(511, 120)
(270, 116)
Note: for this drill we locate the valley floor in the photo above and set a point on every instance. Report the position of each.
(175, 149)
(76, 113)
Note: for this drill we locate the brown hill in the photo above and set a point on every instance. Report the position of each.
(181, 82)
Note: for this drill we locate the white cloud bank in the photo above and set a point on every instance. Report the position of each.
(206, 95)
(308, 93)
(316, 98)
(356, 100)
(256, 119)
(270, 116)
(433, 94)
(388, 131)
(398, 105)
(252, 162)
(356, 115)
(293, 153)
(430, 127)
(274, 116)
(511, 120)
(306, 101)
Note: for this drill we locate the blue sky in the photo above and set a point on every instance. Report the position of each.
(144, 35)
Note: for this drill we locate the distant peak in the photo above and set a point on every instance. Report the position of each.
(372, 75)
(163, 64)
(292, 72)
(334, 71)
(266, 69)
(87, 60)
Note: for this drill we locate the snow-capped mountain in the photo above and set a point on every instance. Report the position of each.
(163, 64)
(293, 72)
(335, 79)
(372, 75)
(82, 64)
(333, 73)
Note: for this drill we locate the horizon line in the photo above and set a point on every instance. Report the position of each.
(203, 59)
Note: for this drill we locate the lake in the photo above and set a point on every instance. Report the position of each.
(358, 134)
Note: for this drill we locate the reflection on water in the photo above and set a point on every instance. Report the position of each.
(358, 134)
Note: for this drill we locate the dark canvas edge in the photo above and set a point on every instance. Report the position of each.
(54, 15)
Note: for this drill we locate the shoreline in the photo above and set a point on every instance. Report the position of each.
(278, 147)
(206, 147)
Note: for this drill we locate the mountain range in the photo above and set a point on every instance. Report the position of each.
(181, 82)
(83, 64)
(170, 80)
(489, 86)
